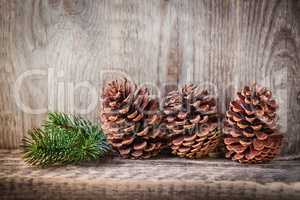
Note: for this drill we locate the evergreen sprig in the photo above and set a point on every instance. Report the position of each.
(64, 139)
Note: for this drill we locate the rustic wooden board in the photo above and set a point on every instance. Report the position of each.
(219, 44)
(168, 178)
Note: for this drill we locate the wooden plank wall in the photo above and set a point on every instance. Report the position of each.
(48, 47)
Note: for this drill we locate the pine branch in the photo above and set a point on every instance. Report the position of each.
(64, 139)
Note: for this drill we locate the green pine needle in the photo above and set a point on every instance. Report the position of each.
(64, 139)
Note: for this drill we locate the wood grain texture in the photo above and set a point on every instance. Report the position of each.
(167, 178)
(221, 45)
(9, 118)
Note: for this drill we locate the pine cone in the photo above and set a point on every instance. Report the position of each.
(250, 126)
(191, 121)
(130, 119)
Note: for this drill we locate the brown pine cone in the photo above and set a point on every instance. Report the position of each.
(130, 119)
(191, 121)
(251, 133)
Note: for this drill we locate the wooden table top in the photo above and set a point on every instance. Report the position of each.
(172, 176)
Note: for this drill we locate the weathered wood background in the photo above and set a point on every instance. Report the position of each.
(50, 46)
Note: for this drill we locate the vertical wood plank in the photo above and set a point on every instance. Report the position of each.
(290, 54)
(10, 133)
(266, 57)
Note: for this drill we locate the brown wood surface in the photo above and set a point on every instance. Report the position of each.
(221, 44)
(164, 178)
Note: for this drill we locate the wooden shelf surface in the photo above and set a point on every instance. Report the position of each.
(171, 178)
